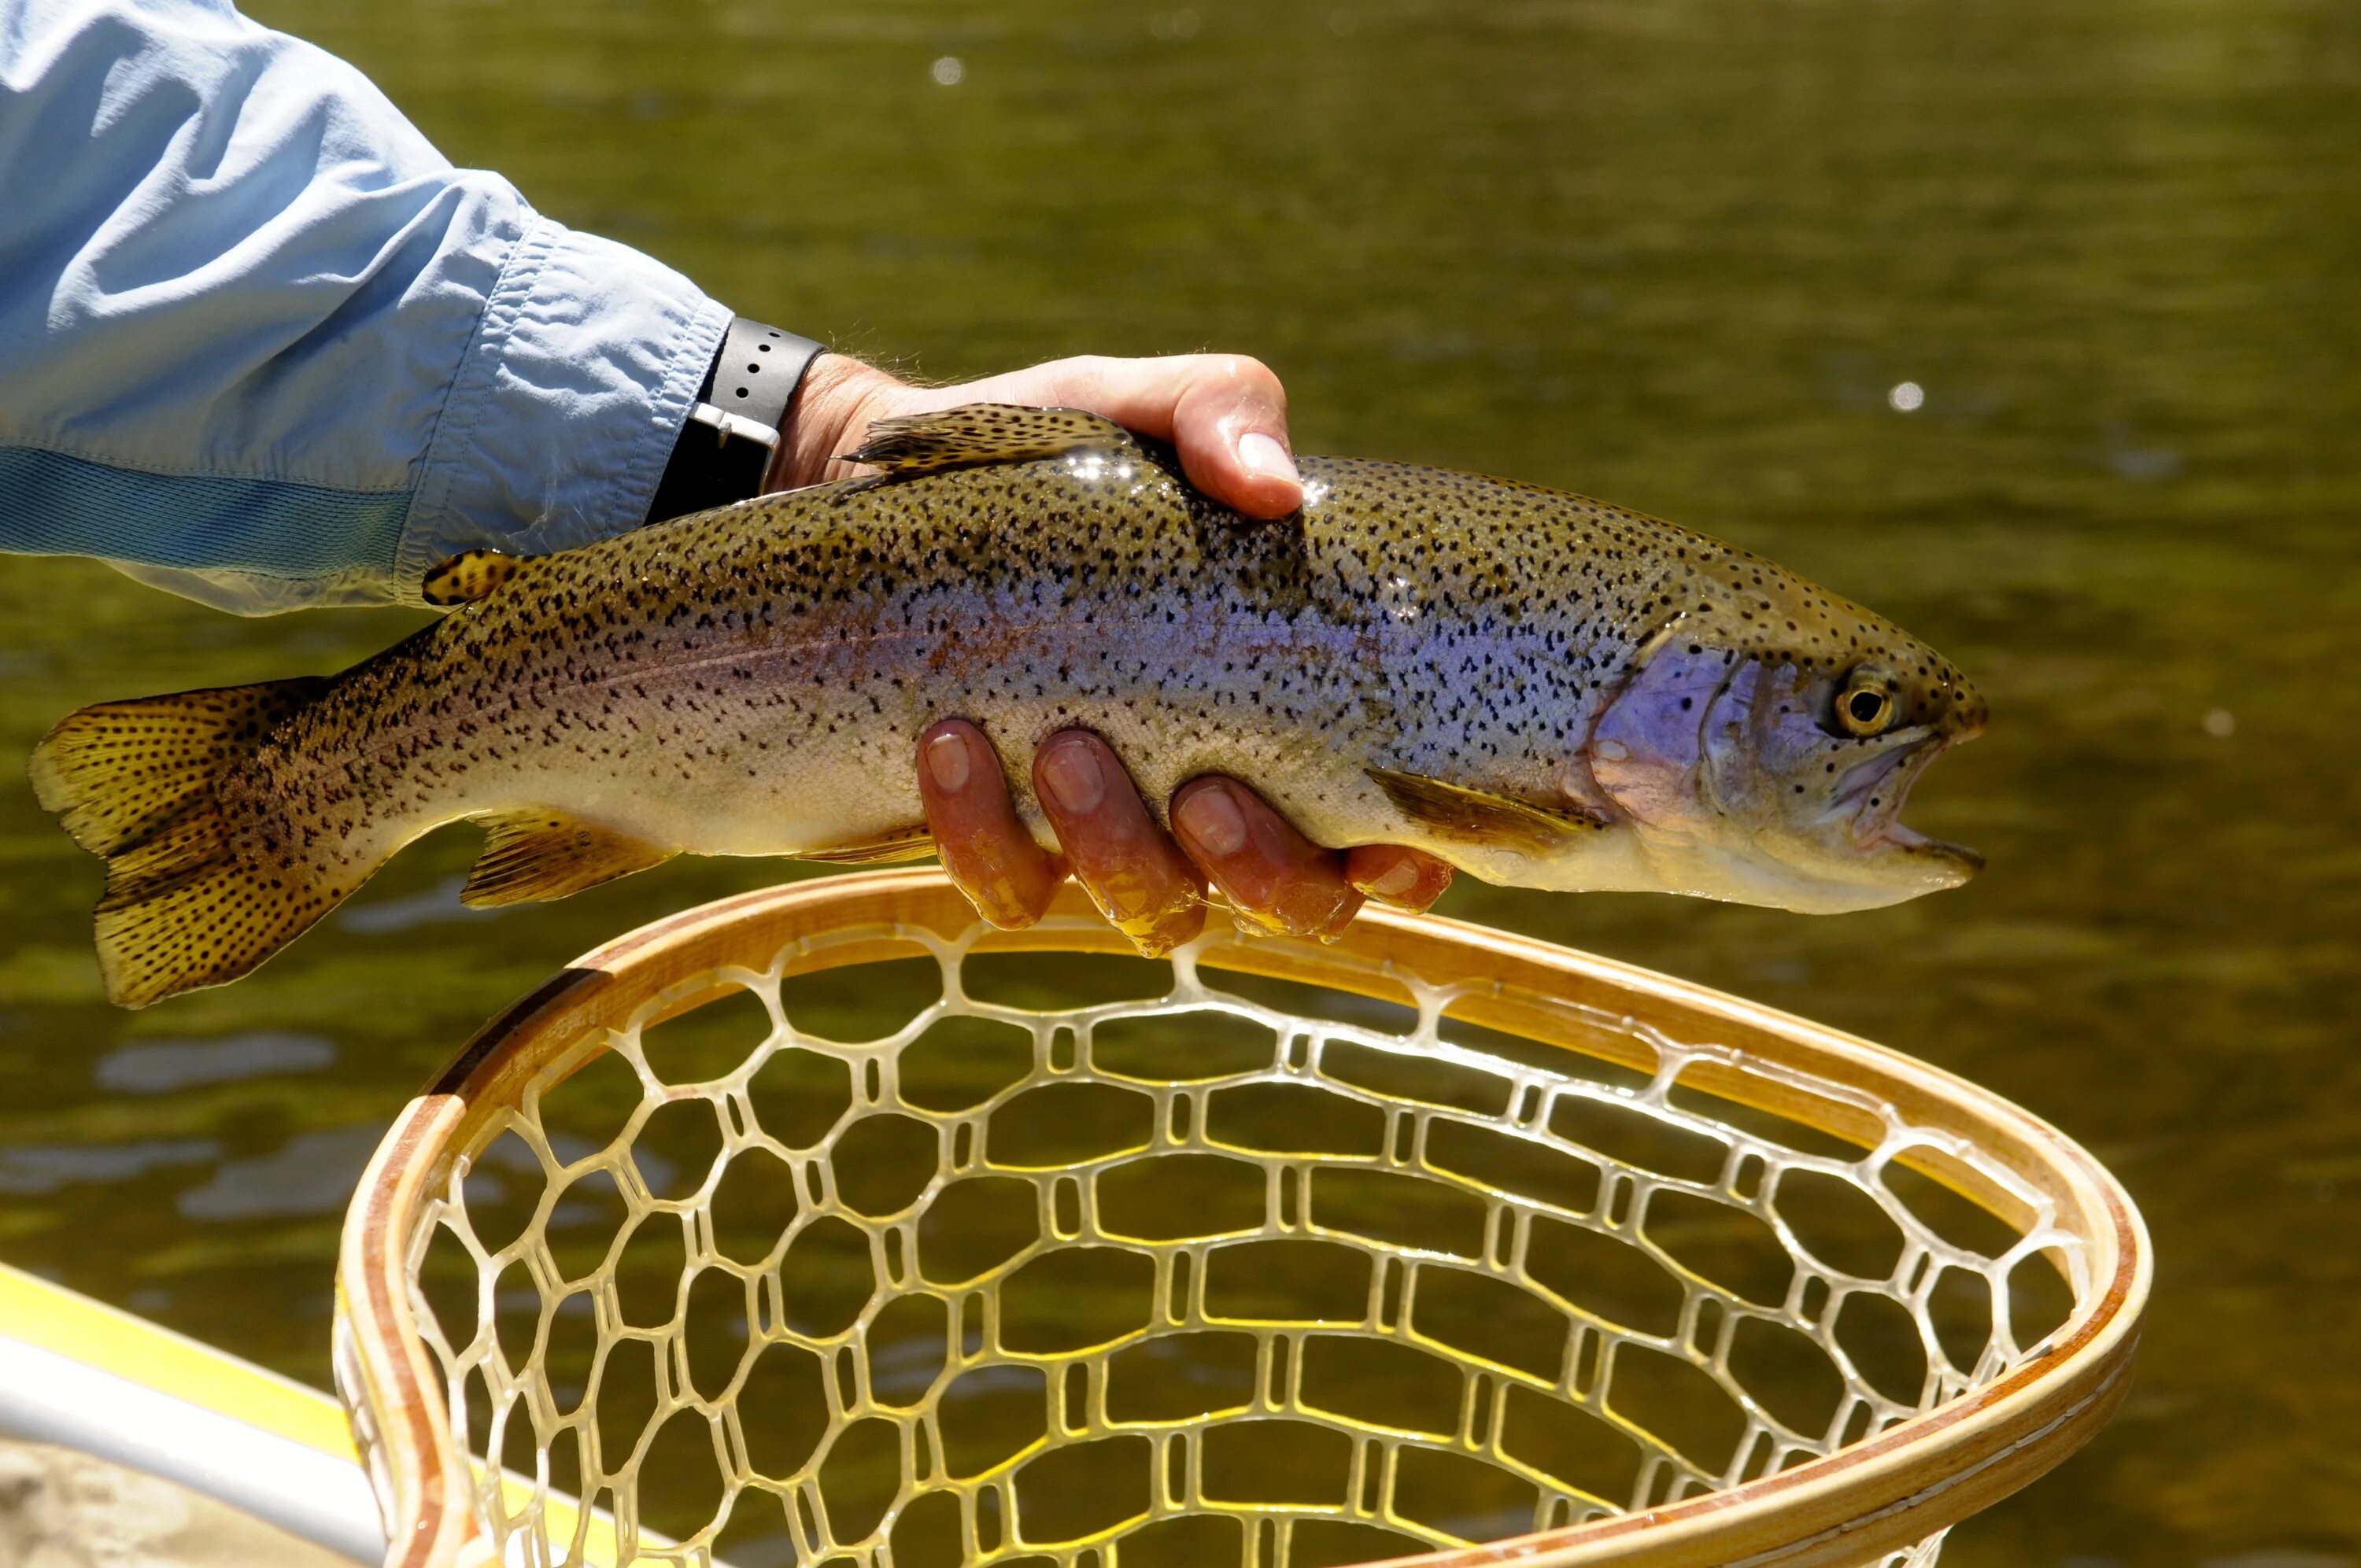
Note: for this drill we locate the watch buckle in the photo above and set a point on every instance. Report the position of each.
(727, 425)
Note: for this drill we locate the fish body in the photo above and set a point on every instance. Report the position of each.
(1417, 657)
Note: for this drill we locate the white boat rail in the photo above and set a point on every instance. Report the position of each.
(82, 1375)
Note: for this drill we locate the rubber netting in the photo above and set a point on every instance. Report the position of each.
(1097, 1262)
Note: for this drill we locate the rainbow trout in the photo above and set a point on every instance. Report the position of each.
(1543, 690)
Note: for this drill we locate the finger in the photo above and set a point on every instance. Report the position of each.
(1226, 412)
(1391, 873)
(1132, 869)
(988, 853)
(1276, 877)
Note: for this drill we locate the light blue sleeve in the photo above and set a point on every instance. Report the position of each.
(260, 344)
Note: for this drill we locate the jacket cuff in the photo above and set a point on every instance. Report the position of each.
(568, 400)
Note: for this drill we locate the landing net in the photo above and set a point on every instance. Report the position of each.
(1098, 1263)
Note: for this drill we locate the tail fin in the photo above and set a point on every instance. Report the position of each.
(199, 890)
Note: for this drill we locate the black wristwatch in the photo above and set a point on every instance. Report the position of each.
(738, 420)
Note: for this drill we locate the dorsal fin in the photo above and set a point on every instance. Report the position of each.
(468, 577)
(1473, 815)
(978, 433)
(531, 855)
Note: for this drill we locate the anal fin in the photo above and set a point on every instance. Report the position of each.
(975, 435)
(1477, 817)
(533, 855)
(901, 844)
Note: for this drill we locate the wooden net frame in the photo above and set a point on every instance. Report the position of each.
(1878, 1484)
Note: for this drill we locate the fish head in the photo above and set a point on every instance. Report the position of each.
(1765, 739)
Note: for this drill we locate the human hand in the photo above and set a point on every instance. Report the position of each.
(1226, 416)
(1224, 412)
(1149, 883)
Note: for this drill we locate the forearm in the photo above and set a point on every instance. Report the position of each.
(264, 345)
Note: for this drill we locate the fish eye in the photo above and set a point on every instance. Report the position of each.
(1865, 704)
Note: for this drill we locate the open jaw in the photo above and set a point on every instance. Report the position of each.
(1868, 803)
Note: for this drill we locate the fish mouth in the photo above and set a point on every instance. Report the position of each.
(1870, 800)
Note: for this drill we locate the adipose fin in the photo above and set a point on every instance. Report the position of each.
(470, 575)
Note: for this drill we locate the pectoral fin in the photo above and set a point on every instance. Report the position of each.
(902, 844)
(979, 433)
(531, 855)
(468, 577)
(1474, 817)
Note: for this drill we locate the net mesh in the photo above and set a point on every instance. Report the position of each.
(1200, 1270)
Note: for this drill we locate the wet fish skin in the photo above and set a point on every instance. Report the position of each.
(753, 681)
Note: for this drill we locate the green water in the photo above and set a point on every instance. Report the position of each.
(1674, 254)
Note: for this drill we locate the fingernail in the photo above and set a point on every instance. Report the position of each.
(1158, 934)
(1330, 924)
(1397, 880)
(947, 759)
(1071, 771)
(1262, 454)
(997, 900)
(1212, 819)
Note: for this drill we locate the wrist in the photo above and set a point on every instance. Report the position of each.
(840, 395)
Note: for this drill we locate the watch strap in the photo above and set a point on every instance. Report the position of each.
(724, 451)
(756, 374)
